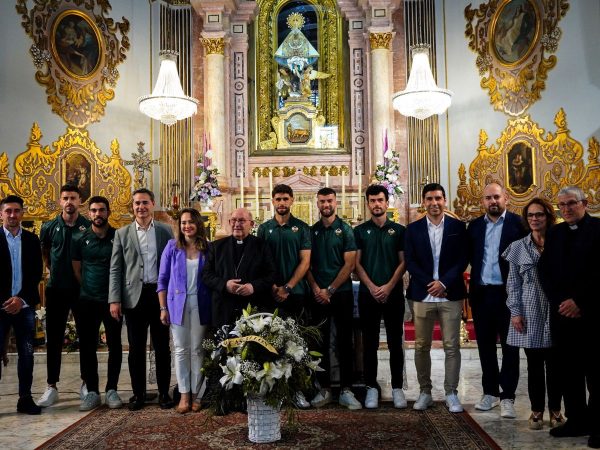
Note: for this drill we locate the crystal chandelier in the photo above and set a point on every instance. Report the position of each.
(421, 98)
(167, 102)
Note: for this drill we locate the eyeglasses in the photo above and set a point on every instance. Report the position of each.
(240, 221)
(569, 204)
(537, 215)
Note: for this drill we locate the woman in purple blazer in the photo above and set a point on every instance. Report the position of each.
(185, 303)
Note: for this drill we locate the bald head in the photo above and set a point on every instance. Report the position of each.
(241, 223)
(494, 200)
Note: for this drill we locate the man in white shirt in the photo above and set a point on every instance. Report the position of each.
(436, 259)
(136, 253)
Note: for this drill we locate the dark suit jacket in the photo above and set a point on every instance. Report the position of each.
(256, 267)
(511, 231)
(419, 259)
(31, 268)
(569, 266)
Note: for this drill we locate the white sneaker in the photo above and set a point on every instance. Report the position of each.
(507, 408)
(399, 398)
(89, 402)
(300, 401)
(83, 390)
(322, 398)
(348, 400)
(487, 402)
(423, 402)
(372, 399)
(112, 399)
(453, 403)
(48, 398)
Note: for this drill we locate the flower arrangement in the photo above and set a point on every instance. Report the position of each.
(71, 340)
(206, 185)
(387, 172)
(263, 355)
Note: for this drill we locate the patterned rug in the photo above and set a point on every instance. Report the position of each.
(332, 428)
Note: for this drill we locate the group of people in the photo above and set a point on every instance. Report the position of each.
(531, 286)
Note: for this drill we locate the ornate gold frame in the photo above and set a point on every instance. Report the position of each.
(78, 100)
(514, 85)
(558, 161)
(330, 48)
(39, 174)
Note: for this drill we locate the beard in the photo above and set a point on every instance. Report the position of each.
(377, 213)
(495, 211)
(327, 212)
(100, 222)
(282, 211)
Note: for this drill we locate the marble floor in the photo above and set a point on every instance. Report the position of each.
(18, 431)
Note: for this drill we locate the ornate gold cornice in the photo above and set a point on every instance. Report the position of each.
(380, 40)
(214, 46)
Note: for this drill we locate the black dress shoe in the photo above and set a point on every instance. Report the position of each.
(165, 401)
(26, 405)
(570, 429)
(594, 441)
(136, 402)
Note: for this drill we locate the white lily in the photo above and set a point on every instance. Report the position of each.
(294, 350)
(232, 373)
(388, 154)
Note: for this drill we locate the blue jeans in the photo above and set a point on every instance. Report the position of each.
(23, 323)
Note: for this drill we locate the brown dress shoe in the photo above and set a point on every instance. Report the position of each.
(183, 409)
(196, 406)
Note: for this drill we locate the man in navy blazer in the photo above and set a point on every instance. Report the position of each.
(436, 259)
(489, 235)
(20, 275)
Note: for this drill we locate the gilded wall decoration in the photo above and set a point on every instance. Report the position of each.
(76, 50)
(330, 62)
(530, 163)
(512, 39)
(40, 171)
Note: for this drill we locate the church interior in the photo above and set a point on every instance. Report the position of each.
(210, 103)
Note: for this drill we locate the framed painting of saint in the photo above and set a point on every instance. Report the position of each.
(519, 166)
(76, 44)
(77, 171)
(515, 31)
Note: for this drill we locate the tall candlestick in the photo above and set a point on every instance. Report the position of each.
(271, 191)
(242, 188)
(256, 199)
(327, 178)
(359, 194)
(343, 194)
(310, 214)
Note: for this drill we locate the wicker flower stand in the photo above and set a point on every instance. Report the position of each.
(263, 421)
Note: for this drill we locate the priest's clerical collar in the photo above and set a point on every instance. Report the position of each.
(239, 241)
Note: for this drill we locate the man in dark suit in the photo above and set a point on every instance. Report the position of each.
(569, 269)
(489, 235)
(436, 260)
(239, 270)
(20, 275)
(133, 277)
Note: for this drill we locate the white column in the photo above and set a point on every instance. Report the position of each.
(381, 100)
(215, 99)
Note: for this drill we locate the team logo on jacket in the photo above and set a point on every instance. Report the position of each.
(81, 228)
(271, 231)
(316, 233)
(87, 242)
(338, 232)
(391, 231)
(295, 229)
(368, 231)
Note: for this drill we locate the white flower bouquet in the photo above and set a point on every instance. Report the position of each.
(263, 355)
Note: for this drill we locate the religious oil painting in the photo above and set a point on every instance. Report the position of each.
(520, 167)
(76, 44)
(77, 171)
(514, 31)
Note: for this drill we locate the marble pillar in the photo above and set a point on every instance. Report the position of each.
(215, 99)
(381, 101)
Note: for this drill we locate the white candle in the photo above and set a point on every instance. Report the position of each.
(327, 178)
(242, 189)
(271, 190)
(343, 194)
(359, 194)
(256, 199)
(310, 214)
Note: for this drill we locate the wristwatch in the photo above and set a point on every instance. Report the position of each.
(330, 290)
(287, 289)
(163, 308)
